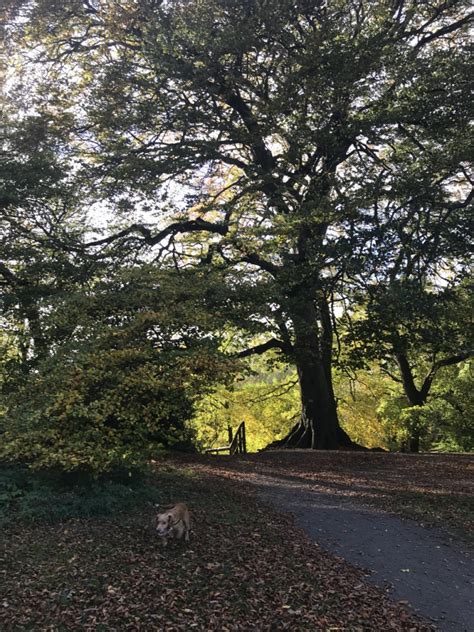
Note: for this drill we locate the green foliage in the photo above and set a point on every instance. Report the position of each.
(308, 151)
(417, 331)
(122, 387)
(445, 423)
(109, 409)
(374, 410)
(404, 317)
(400, 421)
(453, 410)
(31, 497)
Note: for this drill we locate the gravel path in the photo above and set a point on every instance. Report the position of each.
(418, 565)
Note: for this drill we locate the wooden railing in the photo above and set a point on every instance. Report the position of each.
(237, 443)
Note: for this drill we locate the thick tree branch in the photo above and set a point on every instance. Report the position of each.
(263, 156)
(417, 397)
(256, 260)
(390, 374)
(190, 226)
(455, 359)
(412, 393)
(462, 355)
(445, 30)
(273, 343)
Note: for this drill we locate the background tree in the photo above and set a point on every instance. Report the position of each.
(290, 106)
(414, 333)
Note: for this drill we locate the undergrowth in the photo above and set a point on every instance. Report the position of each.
(31, 497)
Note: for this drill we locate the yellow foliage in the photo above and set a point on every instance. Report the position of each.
(269, 405)
(358, 403)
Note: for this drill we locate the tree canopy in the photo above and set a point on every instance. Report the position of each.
(306, 152)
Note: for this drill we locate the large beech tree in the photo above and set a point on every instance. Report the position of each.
(262, 119)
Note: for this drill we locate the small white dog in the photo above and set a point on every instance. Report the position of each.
(174, 523)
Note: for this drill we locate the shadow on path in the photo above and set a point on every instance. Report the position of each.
(434, 575)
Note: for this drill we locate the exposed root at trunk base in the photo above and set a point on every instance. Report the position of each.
(301, 436)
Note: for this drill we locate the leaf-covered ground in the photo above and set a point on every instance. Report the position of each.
(246, 568)
(434, 489)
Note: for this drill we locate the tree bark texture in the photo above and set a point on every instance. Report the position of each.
(318, 427)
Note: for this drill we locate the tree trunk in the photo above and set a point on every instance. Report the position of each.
(414, 396)
(318, 427)
(319, 423)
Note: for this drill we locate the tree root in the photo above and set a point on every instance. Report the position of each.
(301, 436)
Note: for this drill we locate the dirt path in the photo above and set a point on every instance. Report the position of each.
(418, 565)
